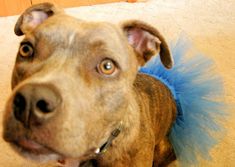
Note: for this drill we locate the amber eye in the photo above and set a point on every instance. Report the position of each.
(107, 67)
(26, 50)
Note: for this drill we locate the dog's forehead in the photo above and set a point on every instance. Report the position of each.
(70, 30)
(82, 37)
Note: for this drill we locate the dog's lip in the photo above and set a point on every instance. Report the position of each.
(35, 148)
(32, 146)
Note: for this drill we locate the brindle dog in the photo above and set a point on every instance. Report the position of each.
(78, 97)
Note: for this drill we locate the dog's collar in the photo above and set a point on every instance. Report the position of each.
(107, 144)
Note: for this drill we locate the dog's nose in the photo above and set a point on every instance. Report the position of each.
(34, 104)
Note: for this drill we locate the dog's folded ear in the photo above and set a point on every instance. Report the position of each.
(34, 16)
(147, 42)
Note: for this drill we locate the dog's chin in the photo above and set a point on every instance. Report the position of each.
(34, 151)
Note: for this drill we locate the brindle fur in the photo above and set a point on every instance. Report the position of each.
(66, 52)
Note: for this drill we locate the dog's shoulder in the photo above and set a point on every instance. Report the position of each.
(150, 85)
(157, 94)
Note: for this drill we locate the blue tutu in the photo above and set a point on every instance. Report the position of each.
(198, 91)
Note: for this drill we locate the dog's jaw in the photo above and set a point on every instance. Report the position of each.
(34, 151)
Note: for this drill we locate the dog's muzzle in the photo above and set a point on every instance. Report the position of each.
(34, 104)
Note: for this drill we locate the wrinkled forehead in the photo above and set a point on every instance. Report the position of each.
(68, 30)
(81, 36)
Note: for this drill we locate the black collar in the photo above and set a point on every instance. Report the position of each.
(99, 151)
(112, 136)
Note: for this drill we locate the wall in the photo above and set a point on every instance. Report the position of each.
(13, 7)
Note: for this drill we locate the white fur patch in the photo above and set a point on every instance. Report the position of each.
(71, 38)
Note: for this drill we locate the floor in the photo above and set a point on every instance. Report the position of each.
(209, 24)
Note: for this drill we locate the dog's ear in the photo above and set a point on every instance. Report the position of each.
(147, 42)
(34, 16)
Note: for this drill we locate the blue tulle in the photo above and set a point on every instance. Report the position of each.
(197, 91)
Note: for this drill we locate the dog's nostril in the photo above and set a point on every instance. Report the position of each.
(33, 104)
(19, 106)
(43, 106)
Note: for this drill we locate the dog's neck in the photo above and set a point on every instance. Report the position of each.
(123, 142)
(125, 147)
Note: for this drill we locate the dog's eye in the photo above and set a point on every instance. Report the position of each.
(26, 50)
(107, 67)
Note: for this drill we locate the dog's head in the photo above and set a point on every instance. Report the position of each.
(73, 81)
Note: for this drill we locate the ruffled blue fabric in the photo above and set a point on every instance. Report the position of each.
(198, 91)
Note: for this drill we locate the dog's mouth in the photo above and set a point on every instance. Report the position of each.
(31, 146)
(33, 150)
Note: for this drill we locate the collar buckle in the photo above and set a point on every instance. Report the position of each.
(107, 144)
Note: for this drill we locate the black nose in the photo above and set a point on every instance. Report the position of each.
(34, 104)
(19, 106)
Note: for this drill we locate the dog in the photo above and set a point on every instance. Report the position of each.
(78, 97)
